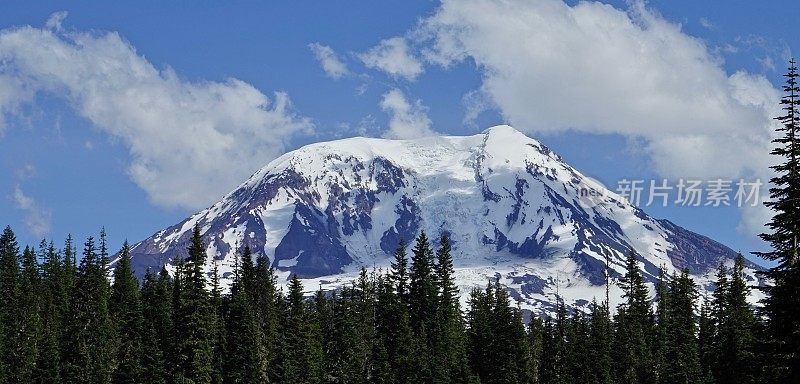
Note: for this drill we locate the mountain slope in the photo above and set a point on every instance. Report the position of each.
(512, 208)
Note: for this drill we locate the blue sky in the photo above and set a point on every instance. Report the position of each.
(87, 139)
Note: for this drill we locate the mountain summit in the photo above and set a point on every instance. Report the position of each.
(513, 209)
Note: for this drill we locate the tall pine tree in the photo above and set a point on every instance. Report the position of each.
(126, 311)
(782, 304)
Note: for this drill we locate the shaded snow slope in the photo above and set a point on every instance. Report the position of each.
(512, 208)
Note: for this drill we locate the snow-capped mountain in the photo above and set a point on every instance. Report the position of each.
(512, 208)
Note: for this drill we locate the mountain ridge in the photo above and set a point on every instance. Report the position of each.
(514, 210)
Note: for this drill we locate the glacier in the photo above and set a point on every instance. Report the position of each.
(513, 209)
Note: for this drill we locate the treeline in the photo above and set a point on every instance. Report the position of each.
(67, 323)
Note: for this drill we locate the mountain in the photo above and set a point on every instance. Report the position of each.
(513, 209)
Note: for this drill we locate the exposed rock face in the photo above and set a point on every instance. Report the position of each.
(512, 208)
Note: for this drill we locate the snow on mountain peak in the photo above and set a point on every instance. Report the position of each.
(512, 208)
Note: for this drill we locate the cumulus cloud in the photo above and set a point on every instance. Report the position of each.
(393, 56)
(37, 219)
(406, 120)
(330, 62)
(551, 68)
(189, 141)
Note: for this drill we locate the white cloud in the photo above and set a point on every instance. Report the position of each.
(55, 20)
(189, 142)
(393, 57)
(331, 64)
(552, 68)
(706, 23)
(406, 120)
(37, 219)
(26, 172)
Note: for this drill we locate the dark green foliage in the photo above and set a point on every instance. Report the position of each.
(88, 344)
(69, 324)
(398, 275)
(52, 295)
(9, 294)
(782, 304)
(126, 311)
(682, 362)
(194, 318)
(599, 345)
(499, 352)
(449, 353)
(245, 359)
(157, 327)
(735, 326)
(633, 325)
(422, 286)
(302, 362)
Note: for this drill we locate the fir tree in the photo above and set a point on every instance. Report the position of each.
(633, 328)
(156, 326)
(682, 363)
(705, 337)
(599, 345)
(53, 294)
(217, 326)
(302, 363)
(245, 361)
(265, 299)
(480, 332)
(194, 349)
(535, 335)
(735, 331)
(126, 310)
(9, 296)
(398, 274)
(88, 351)
(422, 287)
(26, 324)
(782, 303)
(450, 356)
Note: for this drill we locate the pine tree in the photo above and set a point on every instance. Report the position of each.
(88, 351)
(663, 324)
(266, 302)
(173, 357)
(27, 322)
(681, 350)
(52, 294)
(599, 345)
(535, 334)
(577, 339)
(718, 310)
(422, 287)
(398, 274)
(479, 332)
(549, 366)
(126, 310)
(393, 327)
(735, 331)
(156, 326)
(9, 296)
(194, 349)
(705, 337)
(450, 356)
(303, 359)
(782, 304)
(217, 327)
(633, 328)
(245, 361)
